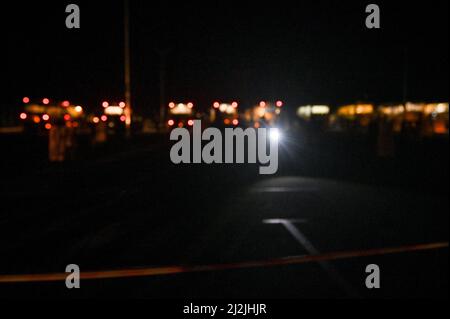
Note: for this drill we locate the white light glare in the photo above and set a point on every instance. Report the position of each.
(274, 135)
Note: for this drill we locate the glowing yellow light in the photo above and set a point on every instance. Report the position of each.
(442, 108)
(364, 109)
(181, 109)
(413, 107)
(348, 110)
(223, 107)
(320, 109)
(355, 109)
(231, 110)
(304, 111)
(308, 110)
(114, 110)
(260, 111)
(392, 109)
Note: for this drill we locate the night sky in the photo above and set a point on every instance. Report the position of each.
(302, 52)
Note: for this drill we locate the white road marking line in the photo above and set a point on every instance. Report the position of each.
(284, 189)
(309, 247)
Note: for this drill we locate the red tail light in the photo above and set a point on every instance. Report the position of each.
(65, 103)
(234, 104)
(66, 117)
(190, 122)
(235, 122)
(26, 100)
(190, 105)
(171, 122)
(216, 105)
(279, 104)
(46, 101)
(104, 118)
(262, 104)
(23, 116)
(171, 105)
(45, 117)
(123, 118)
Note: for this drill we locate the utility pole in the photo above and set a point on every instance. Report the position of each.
(127, 73)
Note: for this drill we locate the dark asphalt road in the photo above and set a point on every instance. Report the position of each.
(126, 205)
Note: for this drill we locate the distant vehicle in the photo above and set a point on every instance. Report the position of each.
(181, 115)
(112, 119)
(224, 114)
(265, 114)
(39, 117)
(354, 117)
(314, 116)
(425, 119)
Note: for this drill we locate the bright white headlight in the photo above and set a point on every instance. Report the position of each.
(274, 135)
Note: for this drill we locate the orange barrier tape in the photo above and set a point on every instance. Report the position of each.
(157, 271)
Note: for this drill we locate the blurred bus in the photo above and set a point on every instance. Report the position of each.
(354, 117)
(180, 115)
(224, 114)
(419, 119)
(265, 114)
(112, 118)
(38, 117)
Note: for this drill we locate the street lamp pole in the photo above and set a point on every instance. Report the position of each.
(127, 73)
